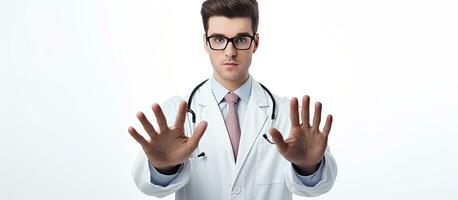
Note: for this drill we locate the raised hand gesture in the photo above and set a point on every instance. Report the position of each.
(306, 144)
(169, 146)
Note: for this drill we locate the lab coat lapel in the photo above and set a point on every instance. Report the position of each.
(212, 114)
(254, 121)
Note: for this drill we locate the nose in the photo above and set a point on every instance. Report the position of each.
(230, 50)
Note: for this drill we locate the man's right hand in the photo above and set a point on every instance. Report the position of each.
(170, 146)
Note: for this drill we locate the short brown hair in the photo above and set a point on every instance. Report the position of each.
(230, 8)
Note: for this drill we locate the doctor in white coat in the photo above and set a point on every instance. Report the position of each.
(202, 160)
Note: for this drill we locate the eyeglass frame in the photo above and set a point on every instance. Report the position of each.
(231, 40)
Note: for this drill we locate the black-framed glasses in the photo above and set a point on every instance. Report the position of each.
(240, 42)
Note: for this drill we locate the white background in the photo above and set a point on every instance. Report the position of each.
(74, 73)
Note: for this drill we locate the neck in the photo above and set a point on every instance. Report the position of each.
(231, 85)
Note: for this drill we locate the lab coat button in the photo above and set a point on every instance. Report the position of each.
(237, 190)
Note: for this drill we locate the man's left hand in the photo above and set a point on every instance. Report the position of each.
(306, 144)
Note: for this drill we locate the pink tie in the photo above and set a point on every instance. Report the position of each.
(232, 122)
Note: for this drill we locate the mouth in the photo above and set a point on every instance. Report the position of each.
(230, 64)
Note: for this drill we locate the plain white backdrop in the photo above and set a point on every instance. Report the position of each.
(74, 73)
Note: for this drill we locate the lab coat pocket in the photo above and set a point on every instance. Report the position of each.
(268, 164)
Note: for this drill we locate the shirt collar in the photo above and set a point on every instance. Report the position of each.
(219, 91)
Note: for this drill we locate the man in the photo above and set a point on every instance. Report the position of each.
(234, 160)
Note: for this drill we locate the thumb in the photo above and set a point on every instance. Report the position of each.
(198, 133)
(278, 139)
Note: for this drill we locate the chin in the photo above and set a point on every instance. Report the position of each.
(233, 77)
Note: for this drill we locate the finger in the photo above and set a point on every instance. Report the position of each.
(317, 116)
(278, 140)
(146, 124)
(181, 115)
(160, 118)
(140, 139)
(306, 111)
(293, 112)
(197, 134)
(327, 126)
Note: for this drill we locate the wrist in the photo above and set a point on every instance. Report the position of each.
(165, 169)
(168, 170)
(306, 170)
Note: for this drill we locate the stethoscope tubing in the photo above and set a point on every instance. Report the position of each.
(192, 123)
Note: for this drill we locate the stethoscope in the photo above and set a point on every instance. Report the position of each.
(197, 153)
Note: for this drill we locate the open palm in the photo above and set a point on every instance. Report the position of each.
(306, 144)
(170, 146)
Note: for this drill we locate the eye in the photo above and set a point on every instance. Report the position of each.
(219, 39)
(240, 40)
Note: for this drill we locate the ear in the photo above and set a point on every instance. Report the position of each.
(256, 42)
(204, 39)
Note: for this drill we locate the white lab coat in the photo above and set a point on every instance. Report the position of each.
(260, 171)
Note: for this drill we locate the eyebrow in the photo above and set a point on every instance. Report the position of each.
(238, 34)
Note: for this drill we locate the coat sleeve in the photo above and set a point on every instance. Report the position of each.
(142, 178)
(328, 178)
(140, 169)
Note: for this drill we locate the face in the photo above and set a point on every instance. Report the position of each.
(230, 65)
